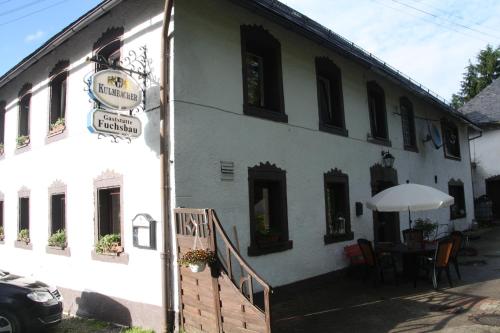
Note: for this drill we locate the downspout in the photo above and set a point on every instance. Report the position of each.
(166, 254)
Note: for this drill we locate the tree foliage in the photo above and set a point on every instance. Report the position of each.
(478, 76)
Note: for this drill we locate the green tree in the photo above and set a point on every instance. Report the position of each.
(478, 76)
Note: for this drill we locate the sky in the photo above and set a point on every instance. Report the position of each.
(432, 41)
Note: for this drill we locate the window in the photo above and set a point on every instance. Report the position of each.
(109, 211)
(378, 117)
(268, 210)
(58, 77)
(262, 79)
(24, 115)
(456, 190)
(2, 126)
(107, 48)
(57, 212)
(24, 214)
(338, 221)
(330, 99)
(2, 230)
(408, 124)
(451, 144)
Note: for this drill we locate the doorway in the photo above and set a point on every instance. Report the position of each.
(386, 227)
(493, 192)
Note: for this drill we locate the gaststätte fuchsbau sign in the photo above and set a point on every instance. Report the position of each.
(113, 123)
(115, 90)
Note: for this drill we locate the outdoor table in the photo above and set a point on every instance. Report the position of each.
(410, 255)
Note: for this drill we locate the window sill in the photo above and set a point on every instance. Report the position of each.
(324, 127)
(382, 142)
(265, 114)
(411, 148)
(23, 245)
(329, 239)
(254, 250)
(23, 148)
(451, 157)
(58, 251)
(116, 258)
(56, 135)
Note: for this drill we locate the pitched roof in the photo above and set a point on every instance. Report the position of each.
(484, 108)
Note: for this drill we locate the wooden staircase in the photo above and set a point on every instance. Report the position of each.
(222, 297)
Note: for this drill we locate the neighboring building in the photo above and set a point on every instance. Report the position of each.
(484, 110)
(275, 122)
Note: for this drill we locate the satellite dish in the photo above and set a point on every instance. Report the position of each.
(434, 135)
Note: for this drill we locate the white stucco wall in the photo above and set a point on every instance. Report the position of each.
(484, 151)
(80, 158)
(210, 127)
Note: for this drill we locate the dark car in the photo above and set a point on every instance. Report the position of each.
(27, 305)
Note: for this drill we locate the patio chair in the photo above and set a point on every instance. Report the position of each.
(413, 236)
(457, 238)
(376, 265)
(441, 262)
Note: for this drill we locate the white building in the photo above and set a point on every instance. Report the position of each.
(296, 117)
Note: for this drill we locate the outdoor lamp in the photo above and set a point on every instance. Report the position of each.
(387, 159)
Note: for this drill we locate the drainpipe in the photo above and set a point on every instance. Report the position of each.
(166, 254)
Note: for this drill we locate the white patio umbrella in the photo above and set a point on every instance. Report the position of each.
(409, 197)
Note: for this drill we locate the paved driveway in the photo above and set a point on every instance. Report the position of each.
(346, 304)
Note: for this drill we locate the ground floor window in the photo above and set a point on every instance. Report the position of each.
(337, 208)
(2, 232)
(109, 211)
(268, 210)
(456, 190)
(24, 219)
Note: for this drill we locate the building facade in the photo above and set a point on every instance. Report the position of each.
(278, 125)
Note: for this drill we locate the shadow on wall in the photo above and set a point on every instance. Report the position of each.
(101, 307)
(152, 126)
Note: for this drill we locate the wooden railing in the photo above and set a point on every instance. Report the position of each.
(236, 278)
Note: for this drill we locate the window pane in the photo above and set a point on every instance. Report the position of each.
(24, 109)
(24, 213)
(255, 80)
(109, 211)
(1, 213)
(336, 208)
(325, 99)
(58, 212)
(452, 144)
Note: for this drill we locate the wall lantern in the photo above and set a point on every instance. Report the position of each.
(387, 159)
(144, 231)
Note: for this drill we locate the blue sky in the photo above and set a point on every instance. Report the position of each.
(430, 40)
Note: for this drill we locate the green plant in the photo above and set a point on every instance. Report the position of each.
(197, 256)
(24, 235)
(58, 238)
(108, 244)
(137, 330)
(22, 140)
(60, 122)
(427, 226)
(1, 233)
(1, 148)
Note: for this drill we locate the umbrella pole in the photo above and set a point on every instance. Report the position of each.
(409, 217)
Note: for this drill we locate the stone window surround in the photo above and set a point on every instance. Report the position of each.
(108, 179)
(24, 192)
(57, 187)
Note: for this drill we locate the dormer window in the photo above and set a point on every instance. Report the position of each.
(451, 140)
(378, 116)
(58, 77)
(107, 48)
(262, 79)
(23, 136)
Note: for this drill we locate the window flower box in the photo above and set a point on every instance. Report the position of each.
(109, 245)
(57, 127)
(22, 141)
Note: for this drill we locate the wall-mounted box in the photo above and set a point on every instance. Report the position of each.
(144, 231)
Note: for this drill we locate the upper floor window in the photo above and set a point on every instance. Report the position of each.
(107, 48)
(456, 190)
(408, 124)
(451, 144)
(268, 210)
(330, 98)
(24, 115)
(262, 79)
(378, 116)
(338, 221)
(2, 126)
(58, 77)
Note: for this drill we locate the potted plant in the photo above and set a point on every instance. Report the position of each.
(197, 259)
(58, 126)
(427, 226)
(2, 235)
(1, 148)
(109, 244)
(24, 236)
(22, 140)
(58, 239)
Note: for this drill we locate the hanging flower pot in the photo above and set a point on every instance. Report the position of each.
(197, 259)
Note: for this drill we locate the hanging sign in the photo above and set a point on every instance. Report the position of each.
(115, 90)
(114, 124)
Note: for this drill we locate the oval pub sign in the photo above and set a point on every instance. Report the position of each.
(115, 90)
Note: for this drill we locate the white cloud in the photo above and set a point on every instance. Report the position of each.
(430, 49)
(34, 36)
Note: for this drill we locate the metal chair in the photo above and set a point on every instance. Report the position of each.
(441, 262)
(457, 238)
(376, 264)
